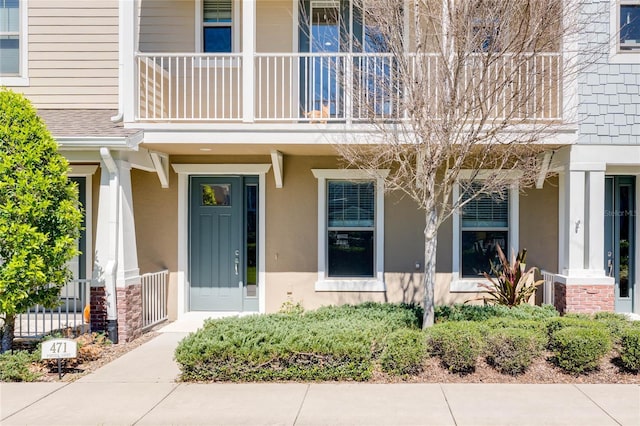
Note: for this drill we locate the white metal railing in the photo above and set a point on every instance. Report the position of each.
(68, 316)
(189, 87)
(155, 288)
(548, 288)
(322, 87)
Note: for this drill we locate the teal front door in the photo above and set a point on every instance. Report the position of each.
(216, 249)
(619, 247)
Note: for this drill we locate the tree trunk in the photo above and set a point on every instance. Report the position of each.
(7, 333)
(429, 277)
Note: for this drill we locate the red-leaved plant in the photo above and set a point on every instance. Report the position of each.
(510, 283)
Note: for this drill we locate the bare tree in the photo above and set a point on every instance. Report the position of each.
(473, 85)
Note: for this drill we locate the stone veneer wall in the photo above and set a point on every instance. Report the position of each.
(584, 298)
(129, 304)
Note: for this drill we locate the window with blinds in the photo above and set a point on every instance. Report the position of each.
(9, 37)
(350, 228)
(217, 26)
(484, 227)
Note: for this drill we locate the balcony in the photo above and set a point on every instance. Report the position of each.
(328, 87)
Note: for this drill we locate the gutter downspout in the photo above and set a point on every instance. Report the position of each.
(118, 118)
(112, 255)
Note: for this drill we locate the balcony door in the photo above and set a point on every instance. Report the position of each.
(335, 85)
(620, 242)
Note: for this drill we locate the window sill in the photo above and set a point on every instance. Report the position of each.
(468, 285)
(629, 57)
(354, 285)
(14, 81)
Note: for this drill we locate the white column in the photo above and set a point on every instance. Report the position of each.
(127, 68)
(595, 236)
(127, 270)
(248, 52)
(574, 222)
(106, 237)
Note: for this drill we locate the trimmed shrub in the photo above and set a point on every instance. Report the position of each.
(404, 352)
(615, 323)
(580, 349)
(458, 344)
(333, 343)
(512, 350)
(630, 348)
(463, 312)
(574, 321)
(14, 366)
(535, 325)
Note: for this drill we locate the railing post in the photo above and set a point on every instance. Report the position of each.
(248, 54)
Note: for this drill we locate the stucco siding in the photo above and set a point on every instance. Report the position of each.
(292, 235)
(73, 54)
(608, 108)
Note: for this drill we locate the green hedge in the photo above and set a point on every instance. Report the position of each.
(14, 366)
(333, 343)
(630, 348)
(512, 350)
(579, 349)
(458, 344)
(463, 312)
(404, 352)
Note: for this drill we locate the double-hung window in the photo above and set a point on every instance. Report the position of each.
(484, 227)
(350, 230)
(217, 26)
(485, 221)
(13, 42)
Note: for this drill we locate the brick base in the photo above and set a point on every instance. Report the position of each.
(98, 306)
(585, 299)
(129, 304)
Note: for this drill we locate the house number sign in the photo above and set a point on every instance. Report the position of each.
(59, 349)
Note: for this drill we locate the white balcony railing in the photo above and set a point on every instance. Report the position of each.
(155, 293)
(342, 87)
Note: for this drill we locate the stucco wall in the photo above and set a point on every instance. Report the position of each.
(608, 109)
(291, 235)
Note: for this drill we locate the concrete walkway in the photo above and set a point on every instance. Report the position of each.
(140, 388)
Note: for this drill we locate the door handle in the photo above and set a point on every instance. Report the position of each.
(237, 262)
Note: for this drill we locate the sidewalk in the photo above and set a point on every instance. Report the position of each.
(139, 388)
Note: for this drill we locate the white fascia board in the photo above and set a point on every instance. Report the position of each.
(115, 143)
(619, 155)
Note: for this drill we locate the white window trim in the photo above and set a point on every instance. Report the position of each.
(22, 79)
(235, 27)
(186, 170)
(324, 283)
(459, 284)
(87, 172)
(617, 56)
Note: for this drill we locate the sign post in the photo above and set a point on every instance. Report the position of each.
(59, 349)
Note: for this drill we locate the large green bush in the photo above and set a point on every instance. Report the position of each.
(570, 321)
(512, 350)
(458, 344)
(14, 366)
(580, 349)
(630, 348)
(332, 343)
(404, 352)
(39, 215)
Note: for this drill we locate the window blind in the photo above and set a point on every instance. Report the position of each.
(485, 210)
(217, 10)
(351, 204)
